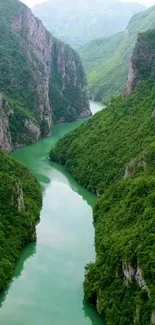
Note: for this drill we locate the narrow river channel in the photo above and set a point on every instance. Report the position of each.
(47, 285)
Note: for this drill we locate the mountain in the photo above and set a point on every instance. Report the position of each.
(106, 60)
(77, 22)
(113, 155)
(42, 81)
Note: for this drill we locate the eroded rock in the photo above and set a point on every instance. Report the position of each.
(18, 197)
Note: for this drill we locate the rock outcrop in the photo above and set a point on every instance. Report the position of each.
(135, 165)
(18, 197)
(40, 74)
(5, 134)
(142, 62)
(131, 273)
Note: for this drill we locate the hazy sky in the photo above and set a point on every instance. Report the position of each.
(144, 2)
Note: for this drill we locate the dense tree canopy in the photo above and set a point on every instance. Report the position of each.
(20, 204)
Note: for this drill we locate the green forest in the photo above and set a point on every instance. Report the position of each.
(20, 204)
(113, 155)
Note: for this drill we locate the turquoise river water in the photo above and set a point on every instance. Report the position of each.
(46, 288)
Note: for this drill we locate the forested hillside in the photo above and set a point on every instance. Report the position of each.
(113, 155)
(20, 204)
(106, 60)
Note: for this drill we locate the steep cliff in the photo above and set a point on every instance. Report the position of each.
(41, 76)
(106, 60)
(17, 128)
(113, 155)
(142, 62)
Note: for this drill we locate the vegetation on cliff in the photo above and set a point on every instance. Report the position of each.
(38, 74)
(106, 60)
(20, 204)
(113, 155)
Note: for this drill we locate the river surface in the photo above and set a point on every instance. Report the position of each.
(47, 285)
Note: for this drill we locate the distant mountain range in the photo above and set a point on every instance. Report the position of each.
(106, 60)
(78, 22)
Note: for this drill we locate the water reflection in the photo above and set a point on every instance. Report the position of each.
(92, 314)
(27, 253)
(90, 199)
(48, 290)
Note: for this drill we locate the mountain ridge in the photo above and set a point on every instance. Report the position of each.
(78, 22)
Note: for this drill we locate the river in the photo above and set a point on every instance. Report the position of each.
(46, 288)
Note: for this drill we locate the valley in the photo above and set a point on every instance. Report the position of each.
(77, 163)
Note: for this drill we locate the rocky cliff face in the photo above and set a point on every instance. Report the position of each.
(11, 138)
(142, 62)
(40, 74)
(5, 134)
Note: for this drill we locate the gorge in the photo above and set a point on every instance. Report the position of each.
(45, 115)
(42, 80)
(42, 83)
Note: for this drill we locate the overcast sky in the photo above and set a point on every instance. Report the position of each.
(31, 3)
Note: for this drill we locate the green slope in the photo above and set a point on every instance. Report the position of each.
(107, 73)
(113, 155)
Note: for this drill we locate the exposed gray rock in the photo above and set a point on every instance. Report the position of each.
(18, 197)
(58, 61)
(132, 75)
(129, 271)
(5, 135)
(153, 318)
(153, 113)
(32, 130)
(142, 62)
(134, 165)
(54, 89)
(29, 134)
(139, 279)
(40, 46)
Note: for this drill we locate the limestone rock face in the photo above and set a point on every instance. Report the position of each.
(131, 274)
(153, 318)
(5, 134)
(59, 69)
(18, 197)
(40, 48)
(136, 164)
(42, 78)
(129, 271)
(142, 62)
(29, 133)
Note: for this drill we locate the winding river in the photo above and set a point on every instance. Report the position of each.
(47, 285)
